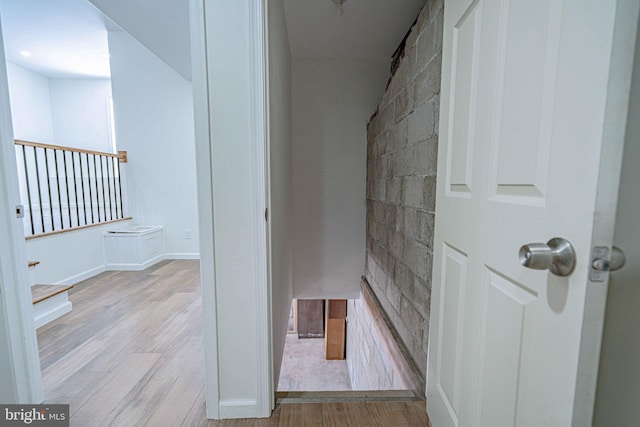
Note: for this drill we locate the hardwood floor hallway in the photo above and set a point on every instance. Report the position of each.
(131, 354)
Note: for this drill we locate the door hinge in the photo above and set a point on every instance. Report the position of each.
(19, 211)
(266, 214)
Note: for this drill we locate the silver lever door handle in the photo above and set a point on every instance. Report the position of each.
(557, 255)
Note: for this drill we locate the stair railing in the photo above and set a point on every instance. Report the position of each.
(66, 188)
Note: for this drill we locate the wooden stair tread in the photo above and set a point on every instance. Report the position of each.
(42, 292)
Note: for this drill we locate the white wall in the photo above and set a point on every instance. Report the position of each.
(69, 112)
(280, 178)
(30, 105)
(153, 111)
(332, 104)
(79, 112)
(81, 257)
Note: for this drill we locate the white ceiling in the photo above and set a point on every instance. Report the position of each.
(367, 29)
(65, 38)
(160, 25)
(69, 37)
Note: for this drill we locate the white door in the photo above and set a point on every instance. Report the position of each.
(533, 107)
(20, 379)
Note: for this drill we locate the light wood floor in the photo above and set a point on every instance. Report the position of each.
(131, 354)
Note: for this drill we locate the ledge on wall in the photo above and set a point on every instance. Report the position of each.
(399, 354)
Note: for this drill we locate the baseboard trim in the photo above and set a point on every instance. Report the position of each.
(237, 408)
(82, 276)
(182, 255)
(51, 309)
(134, 267)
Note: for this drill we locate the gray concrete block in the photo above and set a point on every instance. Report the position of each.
(397, 245)
(394, 297)
(415, 255)
(403, 279)
(428, 263)
(426, 47)
(412, 160)
(436, 116)
(438, 22)
(400, 78)
(382, 233)
(387, 118)
(390, 216)
(399, 219)
(424, 19)
(410, 222)
(394, 190)
(378, 211)
(425, 224)
(404, 102)
(421, 123)
(410, 43)
(427, 83)
(429, 193)
(389, 263)
(400, 133)
(413, 191)
(436, 7)
(421, 297)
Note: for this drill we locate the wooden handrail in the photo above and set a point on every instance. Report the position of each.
(61, 147)
(81, 227)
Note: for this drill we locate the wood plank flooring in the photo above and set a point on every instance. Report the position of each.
(131, 354)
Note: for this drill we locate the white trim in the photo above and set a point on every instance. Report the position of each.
(237, 408)
(204, 173)
(615, 126)
(50, 309)
(82, 276)
(182, 255)
(135, 267)
(264, 403)
(18, 337)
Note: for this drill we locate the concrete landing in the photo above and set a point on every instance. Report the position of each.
(304, 367)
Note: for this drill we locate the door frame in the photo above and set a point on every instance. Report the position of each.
(17, 326)
(615, 127)
(207, 141)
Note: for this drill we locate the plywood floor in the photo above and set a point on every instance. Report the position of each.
(131, 354)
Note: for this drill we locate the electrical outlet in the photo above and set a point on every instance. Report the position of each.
(187, 234)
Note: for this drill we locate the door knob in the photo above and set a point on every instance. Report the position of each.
(557, 255)
(616, 262)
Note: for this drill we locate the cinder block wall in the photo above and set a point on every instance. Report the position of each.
(401, 174)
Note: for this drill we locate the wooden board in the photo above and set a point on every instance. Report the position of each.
(335, 339)
(337, 308)
(310, 318)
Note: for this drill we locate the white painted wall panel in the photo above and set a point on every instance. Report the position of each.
(332, 104)
(153, 111)
(280, 178)
(30, 105)
(79, 111)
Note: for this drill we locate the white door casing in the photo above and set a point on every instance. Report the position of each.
(526, 109)
(20, 378)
